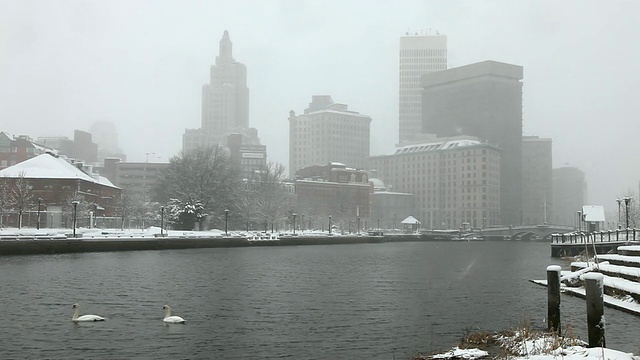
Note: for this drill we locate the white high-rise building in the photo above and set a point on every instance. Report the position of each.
(419, 55)
(328, 132)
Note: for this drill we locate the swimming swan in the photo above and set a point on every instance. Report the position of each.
(77, 318)
(171, 319)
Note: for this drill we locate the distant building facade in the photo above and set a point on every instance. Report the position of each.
(336, 190)
(389, 208)
(328, 132)
(14, 150)
(455, 181)
(569, 192)
(419, 55)
(248, 156)
(138, 178)
(482, 100)
(537, 180)
(81, 148)
(225, 102)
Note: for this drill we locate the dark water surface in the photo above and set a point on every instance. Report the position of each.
(369, 301)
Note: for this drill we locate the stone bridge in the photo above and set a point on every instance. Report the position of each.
(526, 232)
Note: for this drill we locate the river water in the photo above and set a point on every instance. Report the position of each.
(365, 301)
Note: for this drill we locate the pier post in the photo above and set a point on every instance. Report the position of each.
(553, 297)
(593, 284)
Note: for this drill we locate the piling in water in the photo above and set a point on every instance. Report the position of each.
(553, 296)
(593, 284)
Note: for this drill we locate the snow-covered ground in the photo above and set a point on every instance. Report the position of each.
(539, 347)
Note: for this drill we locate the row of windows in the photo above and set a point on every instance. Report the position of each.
(428, 60)
(423, 52)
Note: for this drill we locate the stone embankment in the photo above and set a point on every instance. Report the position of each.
(25, 245)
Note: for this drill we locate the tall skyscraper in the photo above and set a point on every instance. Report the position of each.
(225, 102)
(483, 100)
(328, 132)
(419, 55)
(537, 189)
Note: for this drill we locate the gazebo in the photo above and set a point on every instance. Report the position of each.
(410, 224)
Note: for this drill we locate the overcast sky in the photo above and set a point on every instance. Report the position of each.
(142, 64)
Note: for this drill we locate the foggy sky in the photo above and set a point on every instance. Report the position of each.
(142, 64)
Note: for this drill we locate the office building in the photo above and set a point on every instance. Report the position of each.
(482, 100)
(569, 192)
(537, 188)
(328, 132)
(419, 55)
(455, 181)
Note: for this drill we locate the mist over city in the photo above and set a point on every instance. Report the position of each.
(339, 179)
(141, 66)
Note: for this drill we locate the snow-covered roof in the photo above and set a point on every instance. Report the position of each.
(48, 166)
(593, 213)
(436, 145)
(410, 220)
(377, 183)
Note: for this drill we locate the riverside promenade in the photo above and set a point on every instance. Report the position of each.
(31, 243)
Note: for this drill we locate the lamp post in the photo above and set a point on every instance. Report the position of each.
(329, 224)
(302, 223)
(75, 210)
(161, 221)
(627, 201)
(226, 221)
(579, 221)
(294, 223)
(619, 201)
(38, 219)
(378, 223)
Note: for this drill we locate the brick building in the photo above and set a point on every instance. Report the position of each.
(56, 182)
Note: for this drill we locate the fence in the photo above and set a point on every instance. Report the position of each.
(596, 236)
(59, 219)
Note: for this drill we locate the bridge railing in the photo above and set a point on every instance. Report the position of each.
(618, 235)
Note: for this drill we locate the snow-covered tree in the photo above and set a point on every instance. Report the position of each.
(185, 215)
(203, 176)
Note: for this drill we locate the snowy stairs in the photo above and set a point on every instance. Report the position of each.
(621, 271)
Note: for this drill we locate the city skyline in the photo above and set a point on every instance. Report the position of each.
(89, 64)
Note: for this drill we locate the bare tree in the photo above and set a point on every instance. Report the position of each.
(273, 200)
(5, 199)
(21, 196)
(203, 176)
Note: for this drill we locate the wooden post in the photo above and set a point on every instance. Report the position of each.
(593, 284)
(553, 297)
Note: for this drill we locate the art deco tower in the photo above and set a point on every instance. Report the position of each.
(225, 102)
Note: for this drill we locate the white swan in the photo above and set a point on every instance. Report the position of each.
(171, 319)
(77, 318)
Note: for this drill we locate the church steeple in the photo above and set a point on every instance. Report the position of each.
(226, 48)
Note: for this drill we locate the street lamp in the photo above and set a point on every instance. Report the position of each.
(302, 223)
(226, 221)
(579, 221)
(38, 220)
(627, 200)
(619, 201)
(75, 210)
(161, 221)
(329, 224)
(294, 223)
